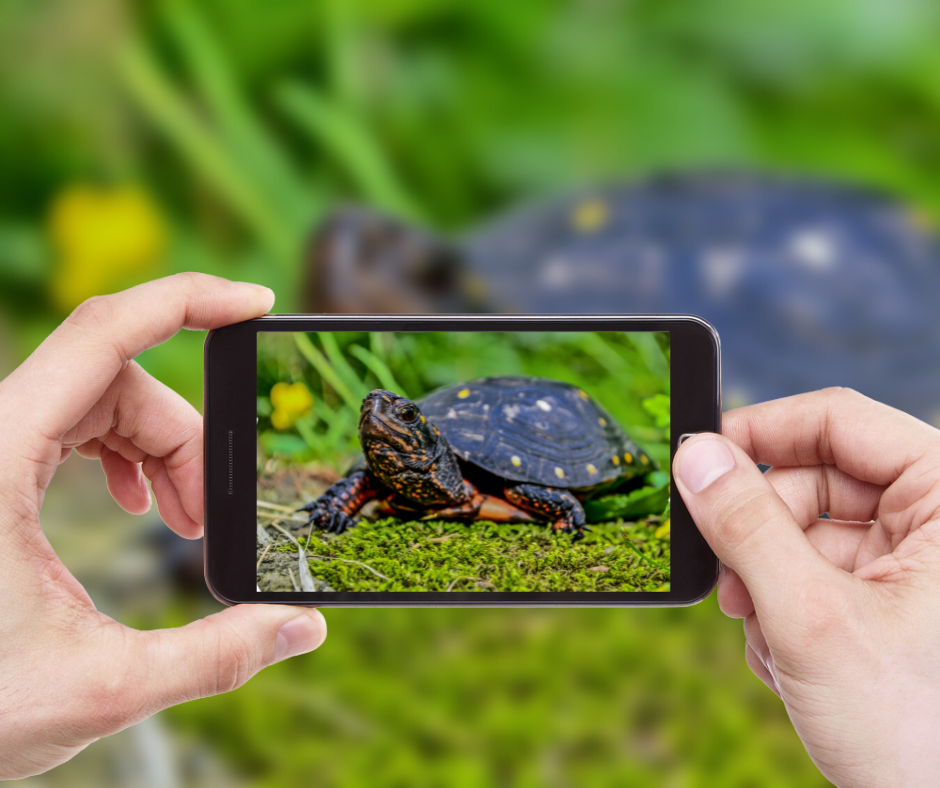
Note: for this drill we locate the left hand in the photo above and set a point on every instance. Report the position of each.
(68, 674)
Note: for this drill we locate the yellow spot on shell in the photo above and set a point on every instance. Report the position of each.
(423, 420)
(583, 394)
(559, 473)
(644, 459)
(463, 394)
(628, 458)
(591, 468)
(616, 460)
(602, 422)
(515, 460)
(590, 216)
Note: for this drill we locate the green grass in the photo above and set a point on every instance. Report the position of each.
(390, 555)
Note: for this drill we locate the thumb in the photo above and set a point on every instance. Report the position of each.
(221, 652)
(745, 521)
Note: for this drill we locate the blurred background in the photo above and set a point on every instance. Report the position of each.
(143, 139)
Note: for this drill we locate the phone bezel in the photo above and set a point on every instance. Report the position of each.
(230, 382)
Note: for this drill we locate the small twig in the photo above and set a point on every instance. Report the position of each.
(306, 579)
(443, 538)
(288, 535)
(349, 561)
(263, 555)
(468, 577)
(297, 518)
(277, 506)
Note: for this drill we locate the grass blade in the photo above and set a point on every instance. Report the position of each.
(331, 127)
(378, 368)
(248, 140)
(149, 87)
(340, 364)
(323, 368)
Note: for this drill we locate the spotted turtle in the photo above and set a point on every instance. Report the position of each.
(810, 283)
(507, 449)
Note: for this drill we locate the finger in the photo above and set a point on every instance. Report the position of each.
(759, 669)
(746, 523)
(755, 638)
(223, 651)
(839, 541)
(145, 422)
(733, 597)
(126, 482)
(73, 367)
(866, 439)
(813, 490)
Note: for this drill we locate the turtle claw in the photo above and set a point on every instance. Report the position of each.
(328, 520)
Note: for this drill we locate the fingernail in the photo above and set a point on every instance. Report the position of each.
(299, 635)
(703, 462)
(721, 573)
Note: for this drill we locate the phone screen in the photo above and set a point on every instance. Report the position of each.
(522, 461)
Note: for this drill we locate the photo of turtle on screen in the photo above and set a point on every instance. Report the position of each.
(432, 461)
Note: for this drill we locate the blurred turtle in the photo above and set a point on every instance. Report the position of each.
(809, 283)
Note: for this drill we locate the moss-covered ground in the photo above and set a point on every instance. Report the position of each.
(391, 555)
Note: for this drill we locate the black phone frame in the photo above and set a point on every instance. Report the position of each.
(230, 435)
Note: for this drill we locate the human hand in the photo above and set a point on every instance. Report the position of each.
(841, 616)
(68, 674)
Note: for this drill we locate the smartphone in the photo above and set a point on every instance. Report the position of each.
(455, 461)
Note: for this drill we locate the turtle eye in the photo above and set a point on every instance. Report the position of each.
(409, 413)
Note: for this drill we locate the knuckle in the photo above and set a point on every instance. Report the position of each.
(738, 517)
(841, 395)
(190, 280)
(95, 314)
(237, 661)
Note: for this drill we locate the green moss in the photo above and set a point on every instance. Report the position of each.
(485, 556)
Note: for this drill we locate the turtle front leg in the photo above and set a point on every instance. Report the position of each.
(334, 510)
(559, 507)
(466, 509)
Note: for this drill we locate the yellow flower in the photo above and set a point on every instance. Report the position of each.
(663, 531)
(106, 239)
(290, 401)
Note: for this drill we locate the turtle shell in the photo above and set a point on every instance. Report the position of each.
(535, 430)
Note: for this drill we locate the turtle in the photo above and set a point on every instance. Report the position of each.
(506, 448)
(809, 282)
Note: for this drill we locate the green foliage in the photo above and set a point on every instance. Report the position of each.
(409, 697)
(650, 499)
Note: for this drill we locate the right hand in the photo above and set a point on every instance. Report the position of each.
(841, 616)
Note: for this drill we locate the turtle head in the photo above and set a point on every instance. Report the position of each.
(392, 425)
(406, 451)
(359, 261)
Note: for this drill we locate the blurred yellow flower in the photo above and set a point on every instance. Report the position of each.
(664, 530)
(105, 238)
(290, 402)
